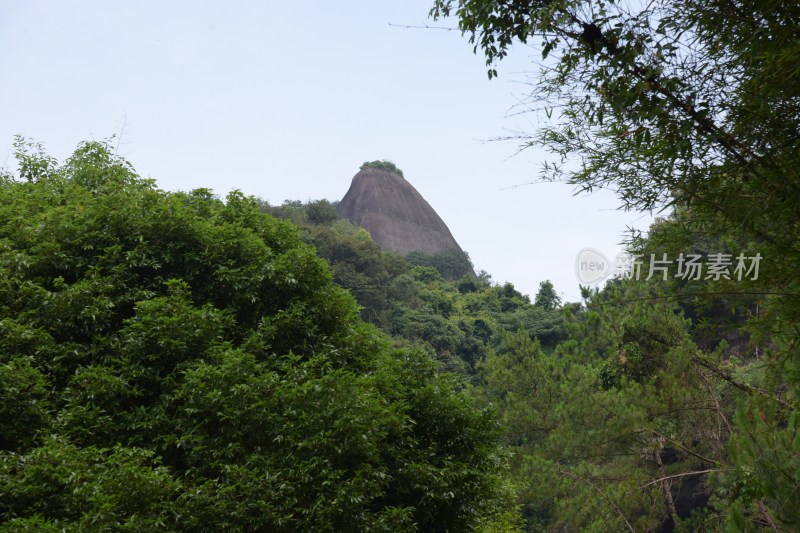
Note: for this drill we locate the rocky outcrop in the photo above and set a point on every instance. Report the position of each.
(395, 214)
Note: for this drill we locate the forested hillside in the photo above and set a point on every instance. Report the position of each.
(433, 301)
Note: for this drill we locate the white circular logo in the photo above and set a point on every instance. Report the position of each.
(592, 266)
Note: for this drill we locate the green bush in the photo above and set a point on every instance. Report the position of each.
(383, 164)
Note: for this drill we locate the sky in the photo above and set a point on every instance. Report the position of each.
(285, 100)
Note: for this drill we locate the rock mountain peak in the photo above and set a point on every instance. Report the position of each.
(396, 215)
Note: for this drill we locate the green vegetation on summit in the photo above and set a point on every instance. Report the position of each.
(383, 164)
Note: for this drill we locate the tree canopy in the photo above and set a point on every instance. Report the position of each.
(172, 361)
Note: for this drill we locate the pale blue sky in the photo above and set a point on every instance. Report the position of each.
(285, 100)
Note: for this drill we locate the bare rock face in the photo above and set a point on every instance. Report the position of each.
(395, 214)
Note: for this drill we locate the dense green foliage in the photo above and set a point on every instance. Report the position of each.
(383, 164)
(170, 361)
(622, 404)
(674, 386)
(451, 264)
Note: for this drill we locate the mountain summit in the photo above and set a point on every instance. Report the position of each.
(399, 219)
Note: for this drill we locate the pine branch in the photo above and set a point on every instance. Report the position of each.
(603, 494)
(684, 474)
